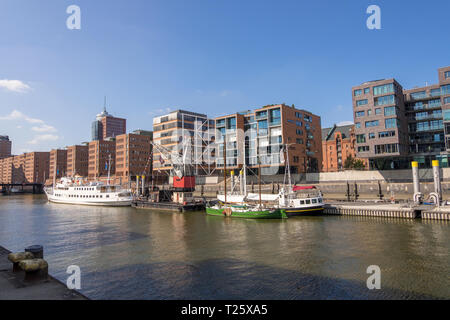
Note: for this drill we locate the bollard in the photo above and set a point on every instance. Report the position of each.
(36, 250)
(415, 171)
(437, 178)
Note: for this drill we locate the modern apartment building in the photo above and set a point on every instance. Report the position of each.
(338, 144)
(77, 161)
(30, 167)
(188, 134)
(261, 133)
(100, 152)
(134, 155)
(394, 126)
(106, 126)
(58, 163)
(5, 147)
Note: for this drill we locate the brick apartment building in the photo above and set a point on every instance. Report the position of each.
(30, 167)
(77, 161)
(133, 155)
(106, 126)
(394, 126)
(100, 151)
(338, 144)
(58, 163)
(199, 134)
(264, 131)
(5, 147)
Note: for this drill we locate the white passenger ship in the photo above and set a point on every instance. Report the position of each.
(72, 191)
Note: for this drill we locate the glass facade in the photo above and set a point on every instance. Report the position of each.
(387, 88)
(390, 123)
(362, 102)
(389, 111)
(380, 101)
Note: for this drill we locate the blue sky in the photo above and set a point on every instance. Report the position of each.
(209, 56)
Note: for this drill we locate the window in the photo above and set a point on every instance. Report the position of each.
(369, 112)
(389, 111)
(386, 148)
(300, 141)
(386, 134)
(390, 123)
(359, 114)
(371, 135)
(358, 92)
(366, 90)
(447, 74)
(360, 138)
(387, 88)
(358, 125)
(445, 90)
(361, 102)
(378, 111)
(447, 115)
(434, 103)
(380, 101)
(298, 123)
(447, 100)
(299, 132)
(418, 95)
(435, 92)
(363, 149)
(373, 123)
(298, 115)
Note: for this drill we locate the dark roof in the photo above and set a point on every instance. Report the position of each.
(327, 133)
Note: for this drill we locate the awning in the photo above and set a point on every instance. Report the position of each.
(298, 188)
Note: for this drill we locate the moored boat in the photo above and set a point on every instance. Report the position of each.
(245, 212)
(70, 191)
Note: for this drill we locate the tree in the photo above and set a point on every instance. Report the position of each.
(352, 163)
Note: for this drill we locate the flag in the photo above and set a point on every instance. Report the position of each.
(282, 155)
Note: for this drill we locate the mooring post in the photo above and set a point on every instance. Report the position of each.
(356, 191)
(437, 180)
(380, 193)
(416, 182)
(348, 192)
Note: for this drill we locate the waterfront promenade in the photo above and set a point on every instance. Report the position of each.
(12, 286)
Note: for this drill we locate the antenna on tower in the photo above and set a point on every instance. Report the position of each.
(104, 105)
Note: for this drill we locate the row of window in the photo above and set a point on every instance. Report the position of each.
(82, 196)
(388, 123)
(388, 111)
(361, 138)
(377, 90)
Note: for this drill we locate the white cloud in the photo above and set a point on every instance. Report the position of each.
(17, 115)
(14, 85)
(44, 128)
(160, 111)
(344, 123)
(43, 137)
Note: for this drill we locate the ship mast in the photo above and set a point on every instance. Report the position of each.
(225, 165)
(109, 168)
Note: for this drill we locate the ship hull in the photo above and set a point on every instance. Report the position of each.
(311, 211)
(262, 214)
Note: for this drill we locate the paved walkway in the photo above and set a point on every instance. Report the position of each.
(12, 286)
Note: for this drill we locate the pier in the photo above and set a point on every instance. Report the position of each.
(11, 188)
(13, 287)
(388, 210)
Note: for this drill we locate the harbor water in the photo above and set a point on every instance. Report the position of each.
(125, 253)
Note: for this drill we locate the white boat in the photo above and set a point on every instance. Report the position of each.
(72, 191)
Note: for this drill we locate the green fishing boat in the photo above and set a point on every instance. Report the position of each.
(245, 212)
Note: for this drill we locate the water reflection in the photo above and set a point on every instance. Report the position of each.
(137, 254)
